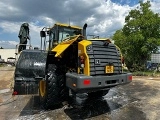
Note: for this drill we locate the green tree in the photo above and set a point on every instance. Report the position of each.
(120, 39)
(140, 36)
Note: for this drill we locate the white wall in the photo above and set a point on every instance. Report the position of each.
(6, 53)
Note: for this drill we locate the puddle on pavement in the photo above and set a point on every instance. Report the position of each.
(120, 97)
(92, 108)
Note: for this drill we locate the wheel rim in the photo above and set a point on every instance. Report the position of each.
(42, 88)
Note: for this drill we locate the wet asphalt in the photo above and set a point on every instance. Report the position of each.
(138, 100)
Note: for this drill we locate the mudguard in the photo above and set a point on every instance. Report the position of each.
(30, 68)
(60, 48)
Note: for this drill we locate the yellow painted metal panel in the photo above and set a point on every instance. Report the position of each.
(65, 25)
(82, 51)
(64, 45)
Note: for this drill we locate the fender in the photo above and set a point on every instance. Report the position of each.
(60, 48)
(30, 68)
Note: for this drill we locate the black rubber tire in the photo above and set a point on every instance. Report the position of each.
(97, 94)
(64, 91)
(55, 88)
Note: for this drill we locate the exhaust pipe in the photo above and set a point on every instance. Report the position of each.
(84, 31)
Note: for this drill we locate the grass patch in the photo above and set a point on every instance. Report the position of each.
(2, 65)
(153, 73)
(146, 73)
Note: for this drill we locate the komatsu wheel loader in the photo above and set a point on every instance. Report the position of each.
(71, 66)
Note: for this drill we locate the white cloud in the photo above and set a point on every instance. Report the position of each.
(8, 44)
(47, 21)
(102, 16)
(12, 42)
(155, 6)
(108, 18)
(7, 9)
(10, 27)
(91, 20)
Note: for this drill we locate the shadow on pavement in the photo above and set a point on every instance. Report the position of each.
(91, 108)
(33, 106)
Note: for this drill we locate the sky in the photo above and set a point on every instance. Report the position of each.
(103, 17)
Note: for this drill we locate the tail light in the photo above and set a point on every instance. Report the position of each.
(81, 63)
(15, 93)
(130, 77)
(86, 82)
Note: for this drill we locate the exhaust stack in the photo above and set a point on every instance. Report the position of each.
(84, 30)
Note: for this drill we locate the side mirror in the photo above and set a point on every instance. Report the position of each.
(42, 34)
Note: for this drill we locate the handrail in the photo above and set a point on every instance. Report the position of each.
(18, 53)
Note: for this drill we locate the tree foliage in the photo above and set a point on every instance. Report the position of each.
(140, 36)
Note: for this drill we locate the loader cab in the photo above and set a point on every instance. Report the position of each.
(59, 33)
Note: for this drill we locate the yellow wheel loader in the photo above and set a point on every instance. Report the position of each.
(72, 66)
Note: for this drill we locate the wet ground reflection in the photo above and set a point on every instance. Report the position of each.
(92, 108)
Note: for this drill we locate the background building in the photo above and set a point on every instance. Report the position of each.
(7, 53)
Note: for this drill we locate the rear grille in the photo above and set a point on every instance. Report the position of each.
(101, 55)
